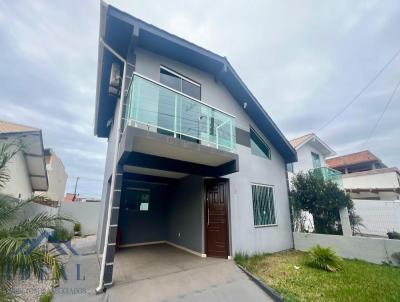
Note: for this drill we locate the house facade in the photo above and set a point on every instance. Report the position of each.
(365, 176)
(27, 169)
(312, 154)
(193, 159)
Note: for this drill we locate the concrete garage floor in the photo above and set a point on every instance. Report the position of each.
(164, 273)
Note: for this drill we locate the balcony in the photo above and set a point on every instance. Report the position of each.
(158, 108)
(330, 175)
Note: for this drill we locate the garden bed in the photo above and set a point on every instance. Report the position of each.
(286, 273)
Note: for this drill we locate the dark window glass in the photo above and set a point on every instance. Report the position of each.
(263, 205)
(171, 80)
(290, 167)
(191, 89)
(258, 146)
(137, 199)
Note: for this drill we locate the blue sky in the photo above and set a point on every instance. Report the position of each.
(303, 60)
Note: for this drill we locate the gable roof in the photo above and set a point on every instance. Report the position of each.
(33, 151)
(317, 143)
(365, 156)
(147, 36)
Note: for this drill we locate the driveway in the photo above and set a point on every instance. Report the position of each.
(161, 273)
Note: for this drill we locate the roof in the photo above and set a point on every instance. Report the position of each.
(352, 159)
(316, 142)
(8, 127)
(118, 28)
(33, 151)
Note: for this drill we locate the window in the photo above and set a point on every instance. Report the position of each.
(289, 167)
(263, 205)
(316, 160)
(137, 199)
(258, 146)
(178, 82)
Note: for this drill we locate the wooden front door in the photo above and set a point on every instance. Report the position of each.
(216, 217)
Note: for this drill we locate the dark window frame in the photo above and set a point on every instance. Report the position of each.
(182, 77)
(268, 153)
(139, 203)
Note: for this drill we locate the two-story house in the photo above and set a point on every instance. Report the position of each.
(365, 176)
(312, 153)
(193, 159)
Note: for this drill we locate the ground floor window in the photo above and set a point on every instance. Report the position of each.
(263, 205)
(137, 199)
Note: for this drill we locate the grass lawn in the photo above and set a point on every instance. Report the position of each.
(358, 281)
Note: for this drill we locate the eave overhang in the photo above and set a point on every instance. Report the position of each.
(116, 28)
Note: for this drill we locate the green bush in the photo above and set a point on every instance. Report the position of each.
(393, 235)
(46, 297)
(62, 234)
(324, 258)
(77, 228)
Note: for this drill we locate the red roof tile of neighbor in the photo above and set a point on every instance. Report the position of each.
(299, 140)
(7, 127)
(352, 159)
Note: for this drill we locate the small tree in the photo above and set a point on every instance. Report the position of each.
(323, 199)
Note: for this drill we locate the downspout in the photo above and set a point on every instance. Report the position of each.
(100, 288)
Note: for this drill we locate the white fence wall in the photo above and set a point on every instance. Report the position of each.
(378, 216)
(86, 213)
(32, 209)
(375, 250)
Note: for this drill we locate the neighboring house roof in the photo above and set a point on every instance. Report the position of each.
(120, 29)
(352, 159)
(316, 142)
(33, 151)
(8, 127)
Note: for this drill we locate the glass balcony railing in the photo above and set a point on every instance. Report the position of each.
(156, 107)
(330, 175)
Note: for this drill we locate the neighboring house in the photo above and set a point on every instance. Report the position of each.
(56, 175)
(27, 170)
(311, 154)
(193, 159)
(365, 176)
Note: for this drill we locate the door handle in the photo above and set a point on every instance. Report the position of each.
(208, 216)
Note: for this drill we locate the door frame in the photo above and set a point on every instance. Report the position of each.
(227, 213)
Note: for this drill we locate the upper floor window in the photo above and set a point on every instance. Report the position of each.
(316, 161)
(290, 167)
(180, 83)
(258, 146)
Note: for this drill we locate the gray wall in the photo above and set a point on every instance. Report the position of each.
(252, 169)
(185, 214)
(145, 226)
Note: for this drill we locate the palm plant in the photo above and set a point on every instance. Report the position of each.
(324, 258)
(18, 256)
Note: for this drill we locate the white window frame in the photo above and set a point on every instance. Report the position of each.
(273, 200)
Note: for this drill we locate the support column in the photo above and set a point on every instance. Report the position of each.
(345, 221)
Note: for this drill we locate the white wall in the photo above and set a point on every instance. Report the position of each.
(378, 216)
(304, 158)
(375, 250)
(375, 180)
(57, 178)
(86, 213)
(19, 185)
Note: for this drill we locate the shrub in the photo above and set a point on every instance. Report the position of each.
(77, 229)
(393, 235)
(324, 258)
(61, 234)
(396, 257)
(46, 297)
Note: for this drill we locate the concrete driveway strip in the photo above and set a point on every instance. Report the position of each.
(219, 281)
